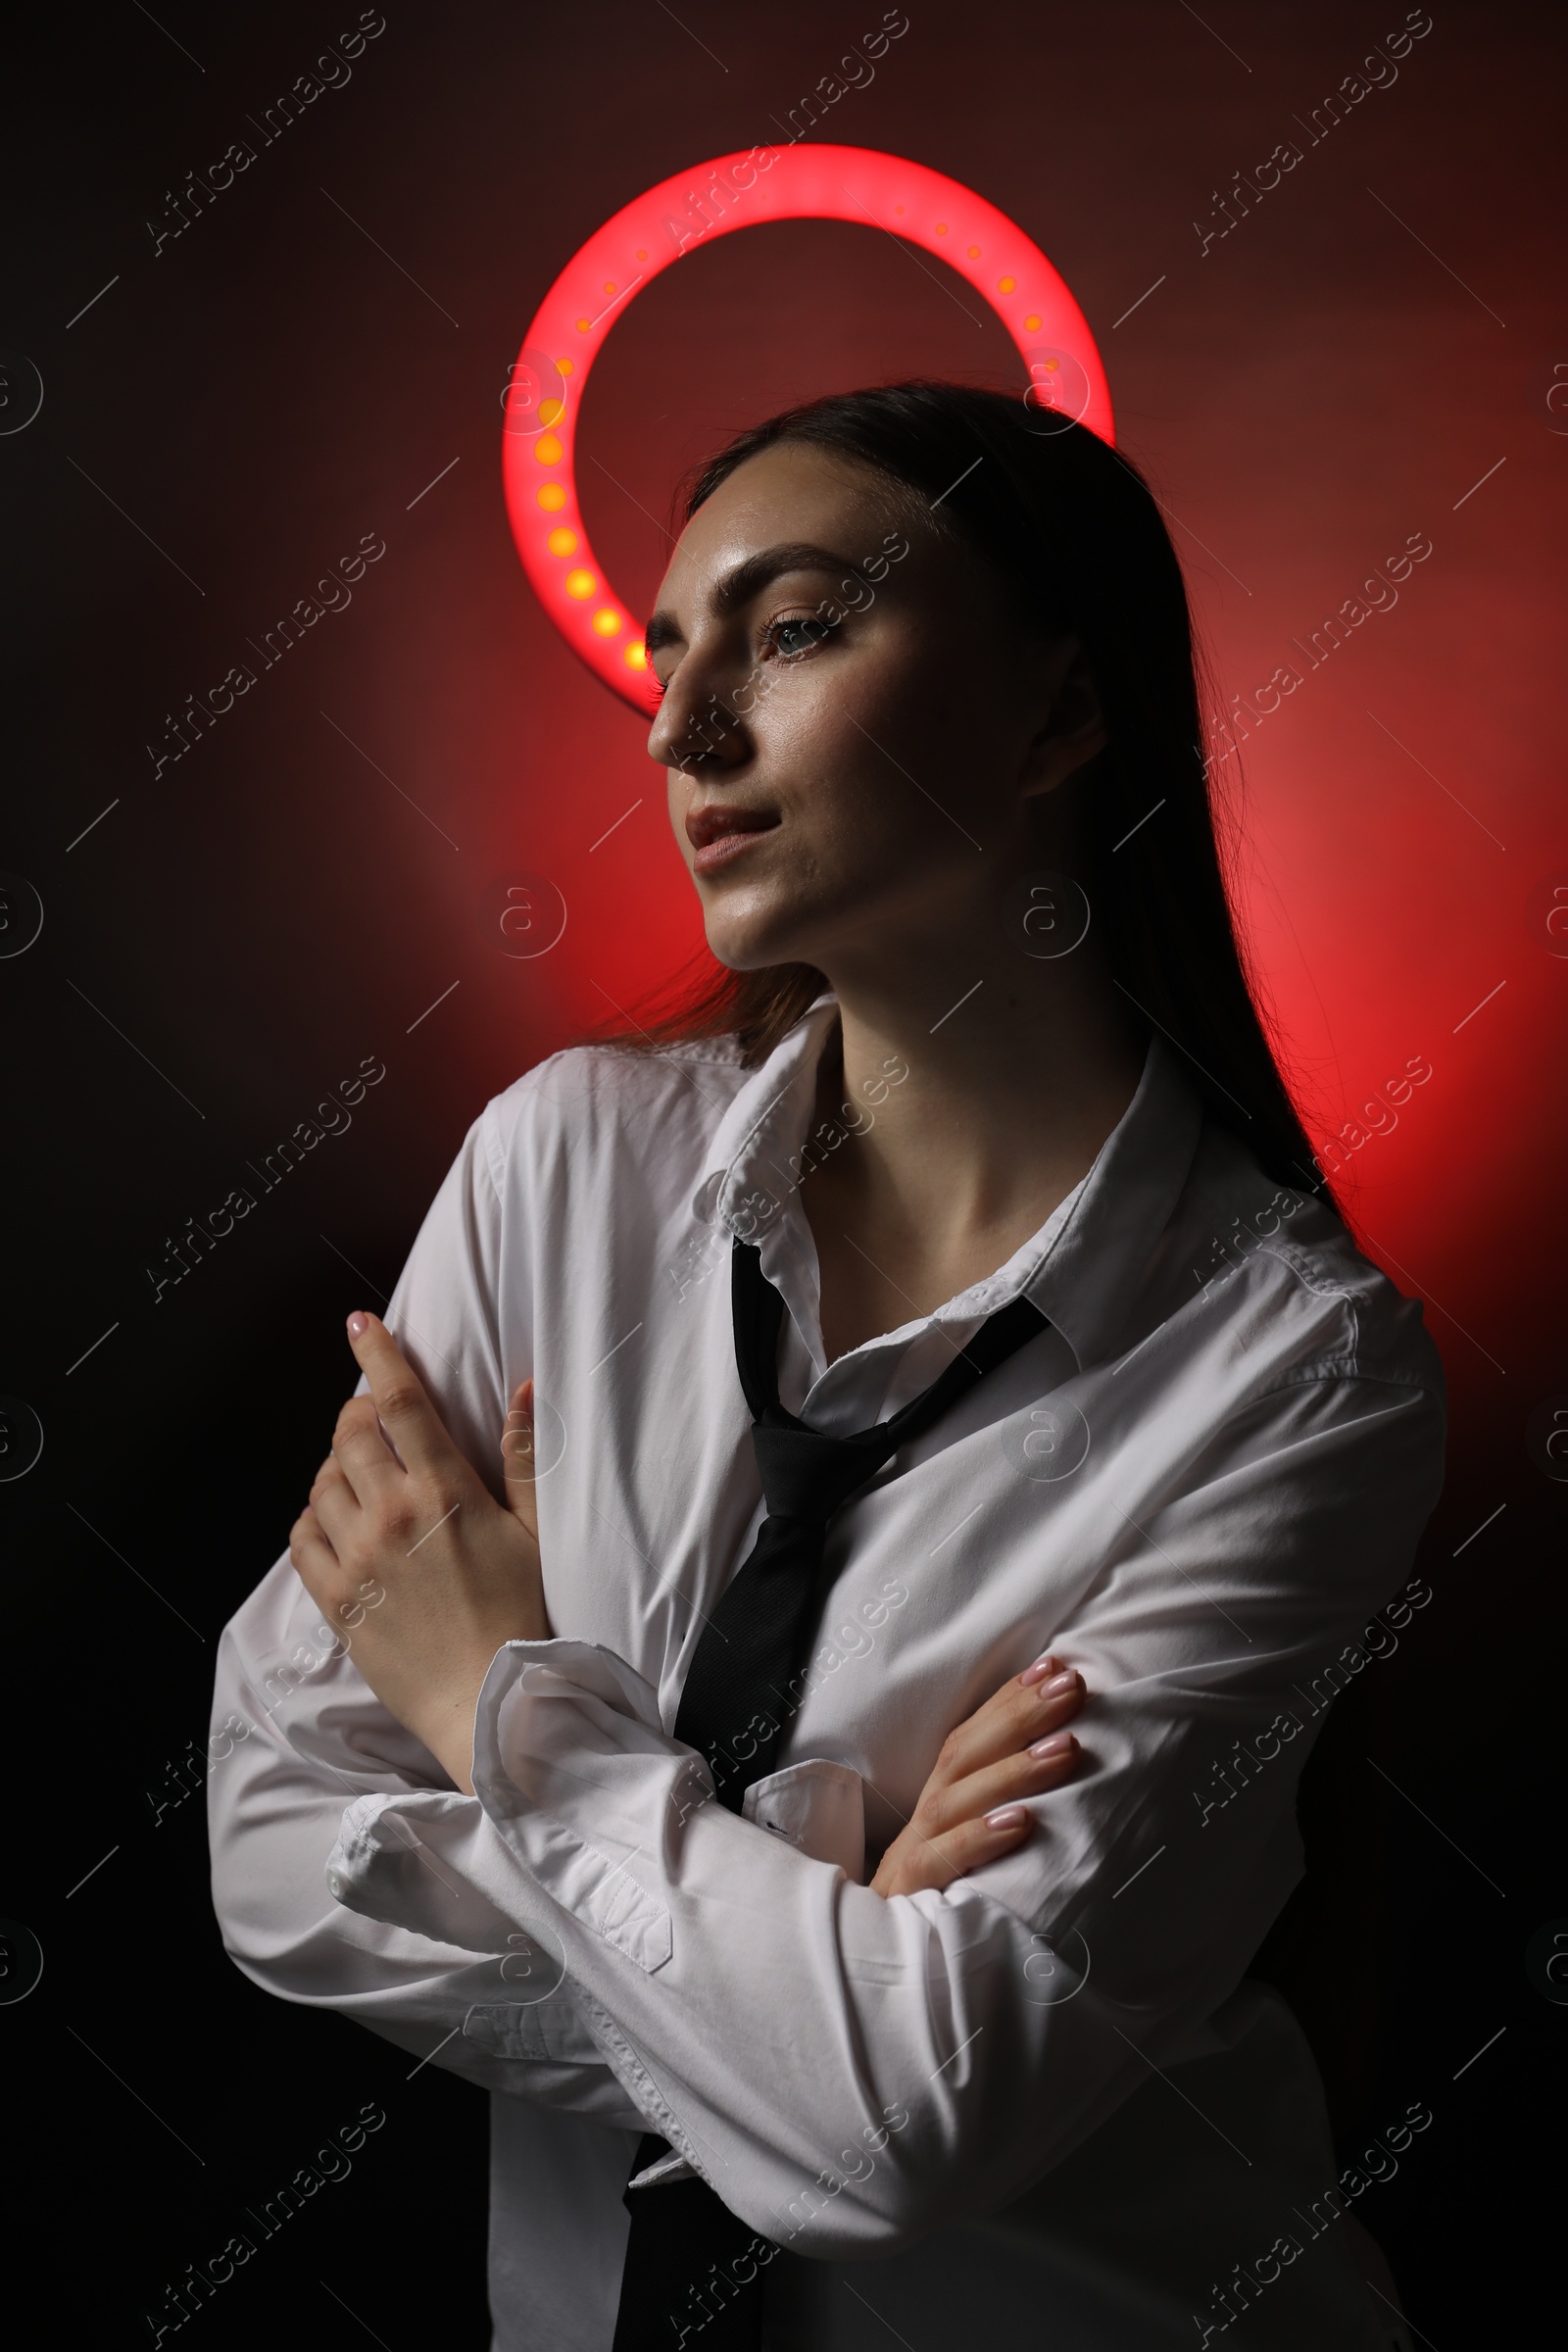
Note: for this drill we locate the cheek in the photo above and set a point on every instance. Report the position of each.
(863, 755)
(855, 836)
(932, 732)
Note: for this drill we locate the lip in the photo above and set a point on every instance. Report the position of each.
(720, 833)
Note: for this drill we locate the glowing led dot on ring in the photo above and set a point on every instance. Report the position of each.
(1004, 286)
(583, 325)
(565, 366)
(1032, 323)
(551, 411)
(637, 656)
(551, 496)
(941, 229)
(546, 450)
(974, 253)
(580, 583)
(563, 542)
(642, 253)
(609, 285)
(606, 622)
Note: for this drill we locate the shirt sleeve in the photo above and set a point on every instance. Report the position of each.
(297, 1735)
(849, 2072)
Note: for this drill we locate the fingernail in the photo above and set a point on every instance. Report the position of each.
(1007, 1817)
(1058, 1686)
(1039, 1670)
(356, 1326)
(1057, 1746)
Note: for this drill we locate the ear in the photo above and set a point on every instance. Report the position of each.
(1075, 728)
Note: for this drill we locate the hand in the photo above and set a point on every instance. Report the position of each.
(968, 1811)
(411, 1550)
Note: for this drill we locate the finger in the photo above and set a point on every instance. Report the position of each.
(407, 1416)
(334, 1504)
(518, 1459)
(915, 1863)
(1046, 1765)
(329, 1583)
(361, 1450)
(314, 1560)
(1019, 1714)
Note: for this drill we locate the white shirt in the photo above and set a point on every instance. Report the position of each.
(1045, 2090)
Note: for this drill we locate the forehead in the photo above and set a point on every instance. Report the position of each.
(788, 492)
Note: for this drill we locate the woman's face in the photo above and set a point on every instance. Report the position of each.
(861, 737)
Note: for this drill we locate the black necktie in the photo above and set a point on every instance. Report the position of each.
(690, 2263)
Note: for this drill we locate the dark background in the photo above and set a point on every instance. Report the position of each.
(224, 940)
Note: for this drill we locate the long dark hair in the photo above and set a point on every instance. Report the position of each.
(1073, 529)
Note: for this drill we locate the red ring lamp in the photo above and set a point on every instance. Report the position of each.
(923, 208)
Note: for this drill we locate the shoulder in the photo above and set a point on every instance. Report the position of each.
(1314, 1306)
(637, 1110)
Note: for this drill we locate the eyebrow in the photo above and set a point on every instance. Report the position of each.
(746, 579)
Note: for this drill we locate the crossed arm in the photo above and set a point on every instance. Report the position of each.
(404, 1548)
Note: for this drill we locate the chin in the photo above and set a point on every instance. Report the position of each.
(746, 954)
(746, 937)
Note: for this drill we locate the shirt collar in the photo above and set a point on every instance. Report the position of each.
(765, 1123)
(1088, 1270)
(1082, 1268)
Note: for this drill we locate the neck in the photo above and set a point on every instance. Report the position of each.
(1017, 1072)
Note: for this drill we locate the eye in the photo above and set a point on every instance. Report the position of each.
(795, 636)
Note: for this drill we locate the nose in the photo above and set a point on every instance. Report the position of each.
(697, 725)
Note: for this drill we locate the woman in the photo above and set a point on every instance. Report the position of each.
(708, 1798)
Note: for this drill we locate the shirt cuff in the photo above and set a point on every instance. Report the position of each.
(565, 1734)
